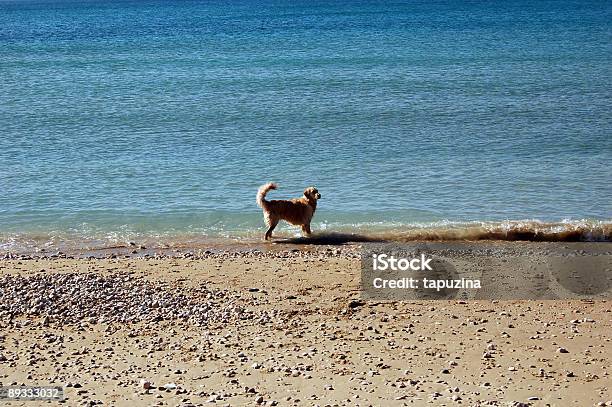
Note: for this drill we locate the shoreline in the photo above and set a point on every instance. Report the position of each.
(507, 231)
(336, 244)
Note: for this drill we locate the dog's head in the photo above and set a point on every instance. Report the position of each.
(312, 194)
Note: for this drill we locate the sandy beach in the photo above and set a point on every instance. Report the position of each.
(285, 325)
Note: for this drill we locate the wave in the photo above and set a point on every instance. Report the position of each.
(532, 230)
(329, 233)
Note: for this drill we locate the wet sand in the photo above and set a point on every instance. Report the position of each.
(285, 325)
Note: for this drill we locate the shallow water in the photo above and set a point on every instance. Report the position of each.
(128, 120)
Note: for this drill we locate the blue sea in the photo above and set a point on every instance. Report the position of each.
(158, 120)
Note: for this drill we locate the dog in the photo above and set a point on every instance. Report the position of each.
(297, 211)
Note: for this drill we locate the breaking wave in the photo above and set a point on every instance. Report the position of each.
(328, 233)
(535, 231)
(532, 230)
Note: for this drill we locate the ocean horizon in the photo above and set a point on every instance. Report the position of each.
(156, 121)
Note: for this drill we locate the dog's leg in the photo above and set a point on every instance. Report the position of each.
(272, 223)
(306, 229)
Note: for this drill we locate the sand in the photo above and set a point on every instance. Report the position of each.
(287, 327)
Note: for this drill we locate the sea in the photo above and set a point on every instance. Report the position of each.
(156, 121)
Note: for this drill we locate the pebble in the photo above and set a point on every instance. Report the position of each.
(71, 299)
(349, 252)
(356, 303)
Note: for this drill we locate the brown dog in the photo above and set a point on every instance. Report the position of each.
(298, 211)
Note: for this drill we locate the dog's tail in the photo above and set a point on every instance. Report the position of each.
(263, 190)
